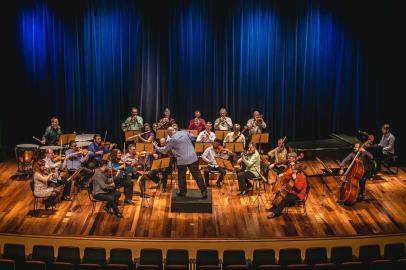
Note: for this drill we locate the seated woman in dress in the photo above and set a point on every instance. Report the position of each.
(42, 176)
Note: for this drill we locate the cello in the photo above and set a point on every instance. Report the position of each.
(350, 181)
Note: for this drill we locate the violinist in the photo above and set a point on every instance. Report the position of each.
(121, 173)
(223, 122)
(256, 124)
(42, 178)
(75, 158)
(278, 154)
(97, 149)
(366, 158)
(252, 162)
(197, 123)
(206, 135)
(235, 135)
(148, 135)
(209, 156)
(298, 191)
(57, 180)
(104, 189)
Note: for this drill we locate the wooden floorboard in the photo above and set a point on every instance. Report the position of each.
(233, 217)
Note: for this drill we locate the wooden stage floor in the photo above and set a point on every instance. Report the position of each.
(233, 217)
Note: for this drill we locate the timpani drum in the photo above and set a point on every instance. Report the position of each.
(26, 155)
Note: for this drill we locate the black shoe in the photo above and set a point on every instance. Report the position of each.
(204, 194)
(128, 201)
(107, 210)
(66, 198)
(361, 197)
(163, 189)
(271, 216)
(118, 214)
(249, 186)
(244, 192)
(180, 194)
(218, 183)
(270, 209)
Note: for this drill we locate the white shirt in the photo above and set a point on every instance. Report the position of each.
(223, 125)
(204, 137)
(209, 155)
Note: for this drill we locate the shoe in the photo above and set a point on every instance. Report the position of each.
(218, 183)
(128, 201)
(361, 197)
(244, 192)
(271, 216)
(163, 189)
(180, 194)
(66, 198)
(270, 209)
(107, 210)
(204, 194)
(118, 214)
(249, 186)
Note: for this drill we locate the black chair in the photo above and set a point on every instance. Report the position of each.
(391, 162)
(35, 265)
(289, 256)
(15, 252)
(261, 258)
(89, 266)
(381, 265)
(316, 255)
(122, 256)
(69, 255)
(177, 259)
(369, 253)
(150, 259)
(400, 264)
(234, 259)
(207, 259)
(43, 253)
(94, 255)
(92, 199)
(7, 264)
(352, 266)
(325, 266)
(394, 251)
(341, 254)
(300, 202)
(116, 267)
(37, 199)
(60, 266)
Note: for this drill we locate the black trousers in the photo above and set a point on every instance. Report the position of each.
(289, 199)
(243, 180)
(66, 186)
(363, 181)
(126, 182)
(194, 170)
(85, 173)
(210, 169)
(111, 198)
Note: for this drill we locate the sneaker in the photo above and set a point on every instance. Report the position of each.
(204, 194)
(66, 198)
(128, 201)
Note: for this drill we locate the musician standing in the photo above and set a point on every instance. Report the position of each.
(209, 156)
(299, 189)
(52, 133)
(206, 135)
(56, 166)
(75, 160)
(366, 158)
(235, 135)
(256, 124)
(182, 148)
(223, 122)
(166, 121)
(388, 144)
(96, 151)
(133, 122)
(197, 123)
(123, 176)
(252, 162)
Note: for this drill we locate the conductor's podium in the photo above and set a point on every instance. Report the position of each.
(192, 203)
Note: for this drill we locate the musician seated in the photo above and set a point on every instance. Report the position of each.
(52, 133)
(149, 134)
(54, 165)
(104, 189)
(388, 145)
(165, 172)
(279, 154)
(197, 123)
(42, 178)
(209, 156)
(122, 177)
(235, 135)
(166, 121)
(298, 191)
(75, 158)
(206, 135)
(251, 160)
(223, 122)
(256, 124)
(366, 158)
(133, 122)
(97, 150)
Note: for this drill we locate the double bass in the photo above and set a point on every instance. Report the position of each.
(350, 181)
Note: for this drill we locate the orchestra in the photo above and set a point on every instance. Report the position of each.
(109, 168)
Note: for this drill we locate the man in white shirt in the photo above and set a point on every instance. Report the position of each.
(209, 156)
(206, 135)
(235, 135)
(223, 122)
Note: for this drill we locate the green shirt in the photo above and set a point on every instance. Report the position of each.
(135, 124)
(252, 163)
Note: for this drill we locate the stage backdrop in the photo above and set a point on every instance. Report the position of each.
(310, 68)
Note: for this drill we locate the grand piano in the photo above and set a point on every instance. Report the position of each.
(337, 147)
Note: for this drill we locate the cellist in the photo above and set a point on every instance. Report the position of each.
(365, 157)
(294, 172)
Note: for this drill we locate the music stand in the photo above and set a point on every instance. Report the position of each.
(259, 138)
(66, 138)
(221, 134)
(236, 147)
(106, 156)
(225, 164)
(147, 147)
(193, 132)
(161, 133)
(157, 164)
(201, 146)
(131, 133)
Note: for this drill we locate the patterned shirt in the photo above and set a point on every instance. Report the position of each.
(135, 124)
(51, 135)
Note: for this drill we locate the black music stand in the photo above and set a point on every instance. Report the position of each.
(326, 171)
(221, 134)
(259, 138)
(225, 164)
(66, 138)
(157, 164)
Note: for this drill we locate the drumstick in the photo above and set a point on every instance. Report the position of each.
(35, 138)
